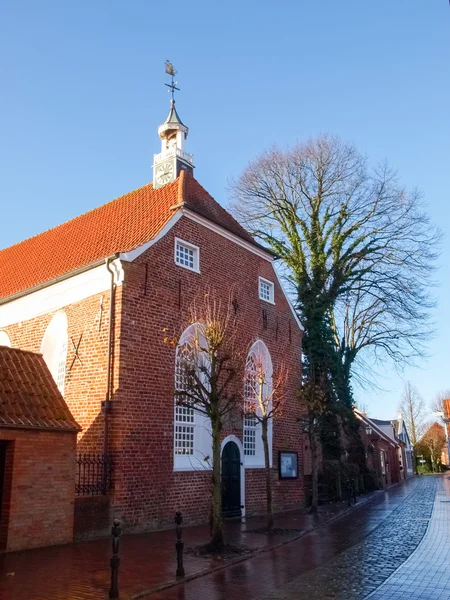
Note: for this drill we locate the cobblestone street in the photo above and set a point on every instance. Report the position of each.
(396, 544)
(349, 558)
(357, 572)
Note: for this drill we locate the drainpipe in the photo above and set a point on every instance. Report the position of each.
(106, 405)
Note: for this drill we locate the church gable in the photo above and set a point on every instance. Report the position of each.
(120, 226)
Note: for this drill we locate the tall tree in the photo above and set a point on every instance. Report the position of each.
(413, 409)
(353, 242)
(207, 377)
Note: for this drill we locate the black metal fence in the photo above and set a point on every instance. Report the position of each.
(93, 476)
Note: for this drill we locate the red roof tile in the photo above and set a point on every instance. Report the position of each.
(29, 397)
(119, 226)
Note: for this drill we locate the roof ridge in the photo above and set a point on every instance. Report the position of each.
(120, 225)
(88, 212)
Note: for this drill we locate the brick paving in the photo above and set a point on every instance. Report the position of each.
(347, 558)
(280, 568)
(81, 571)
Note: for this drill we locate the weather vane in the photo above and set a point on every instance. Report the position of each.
(170, 70)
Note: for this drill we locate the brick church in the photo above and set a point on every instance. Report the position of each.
(94, 294)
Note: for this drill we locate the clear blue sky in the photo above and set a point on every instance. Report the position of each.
(82, 95)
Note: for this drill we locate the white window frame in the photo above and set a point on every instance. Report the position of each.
(201, 425)
(256, 461)
(196, 253)
(262, 280)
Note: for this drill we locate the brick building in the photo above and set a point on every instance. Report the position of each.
(37, 454)
(94, 295)
(385, 453)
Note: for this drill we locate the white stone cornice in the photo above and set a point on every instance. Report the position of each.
(60, 294)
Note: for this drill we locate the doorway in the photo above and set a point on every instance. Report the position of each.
(231, 480)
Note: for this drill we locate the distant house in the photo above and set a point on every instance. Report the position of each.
(402, 434)
(391, 429)
(383, 449)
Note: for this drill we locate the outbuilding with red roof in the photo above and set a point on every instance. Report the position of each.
(37, 454)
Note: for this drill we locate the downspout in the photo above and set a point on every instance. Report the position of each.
(106, 405)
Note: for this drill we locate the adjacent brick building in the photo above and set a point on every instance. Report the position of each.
(37, 454)
(385, 452)
(94, 296)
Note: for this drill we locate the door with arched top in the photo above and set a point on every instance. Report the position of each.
(231, 480)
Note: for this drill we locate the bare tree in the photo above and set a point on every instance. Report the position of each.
(413, 409)
(358, 252)
(346, 233)
(206, 384)
(264, 395)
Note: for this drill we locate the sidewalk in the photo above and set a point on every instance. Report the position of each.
(425, 575)
(80, 571)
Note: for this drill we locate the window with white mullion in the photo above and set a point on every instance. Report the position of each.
(61, 367)
(187, 255)
(250, 421)
(258, 360)
(192, 447)
(184, 415)
(266, 290)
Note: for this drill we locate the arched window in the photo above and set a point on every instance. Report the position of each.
(192, 429)
(250, 399)
(4, 339)
(258, 362)
(54, 348)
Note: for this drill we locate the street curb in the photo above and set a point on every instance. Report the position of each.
(207, 571)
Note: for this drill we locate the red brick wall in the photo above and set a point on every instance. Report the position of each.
(85, 383)
(157, 294)
(38, 500)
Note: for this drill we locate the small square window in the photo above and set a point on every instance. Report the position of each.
(187, 255)
(266, 290)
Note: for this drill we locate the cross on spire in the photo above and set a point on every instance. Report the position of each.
(170, 70)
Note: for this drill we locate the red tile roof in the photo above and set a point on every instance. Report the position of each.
(119, 226)
(29, 397)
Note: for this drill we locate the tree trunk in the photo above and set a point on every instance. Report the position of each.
(314, 472)
(269, 507)
(217, 539)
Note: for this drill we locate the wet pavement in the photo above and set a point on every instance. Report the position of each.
(396, 545)
(357, 572)
(345, 559)
(81, 571)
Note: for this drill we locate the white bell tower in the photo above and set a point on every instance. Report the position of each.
(173, 133)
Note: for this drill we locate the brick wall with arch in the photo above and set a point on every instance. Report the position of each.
(157, 294)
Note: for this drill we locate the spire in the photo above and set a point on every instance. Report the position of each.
(173, 132)
(173, 116)
(168, 130)
(172, 124)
